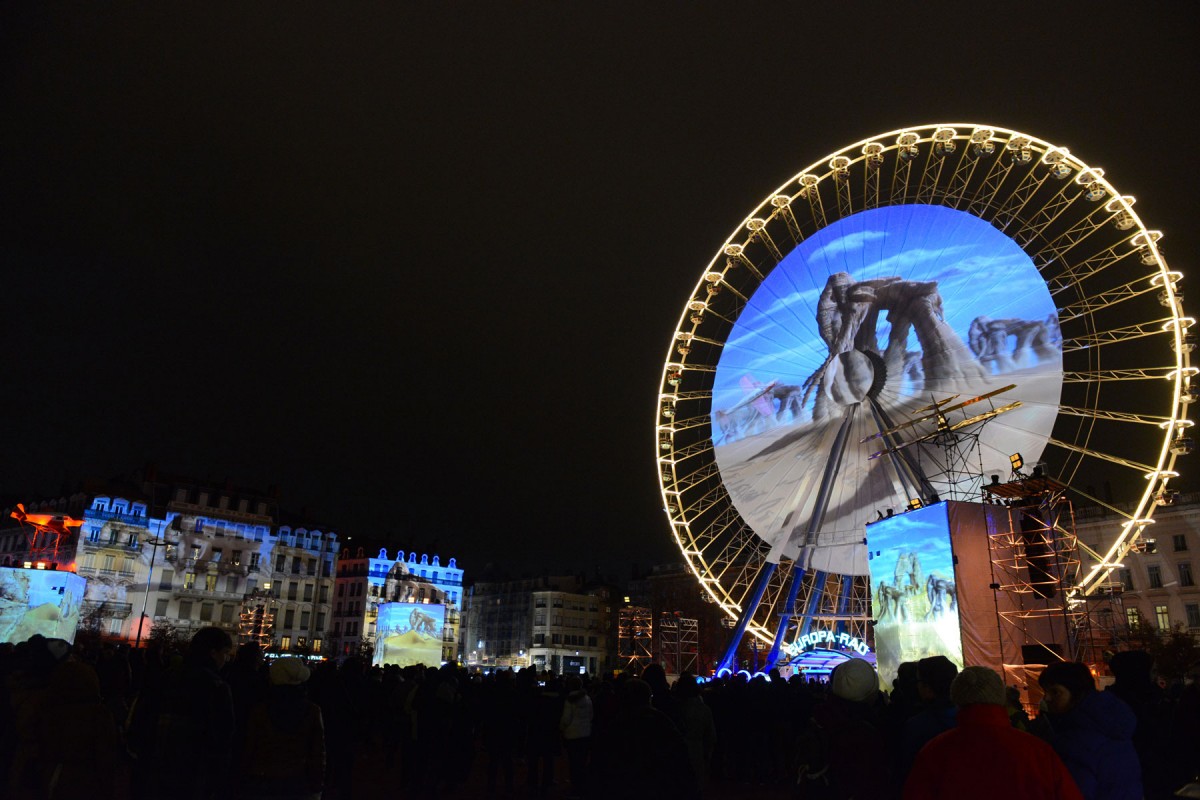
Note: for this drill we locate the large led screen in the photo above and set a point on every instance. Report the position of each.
(41, 601)
(914, 599)
(409, 633)
(905, 305)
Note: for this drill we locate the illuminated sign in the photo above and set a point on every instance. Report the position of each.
(896, 304)
(828, 638)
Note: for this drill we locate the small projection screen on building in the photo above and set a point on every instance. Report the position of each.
(409, 633)
(41, 601)
(913, 595)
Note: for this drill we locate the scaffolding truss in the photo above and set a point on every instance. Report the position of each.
(635, 639)
(1035, 562)
(678, 643)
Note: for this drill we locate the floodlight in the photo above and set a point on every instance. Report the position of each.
(1017, 461)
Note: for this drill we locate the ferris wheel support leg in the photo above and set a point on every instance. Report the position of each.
(728, 660)
(832, 467)
(814, 602)
(844, 602)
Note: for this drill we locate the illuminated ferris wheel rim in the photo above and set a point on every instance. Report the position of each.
(839, 164)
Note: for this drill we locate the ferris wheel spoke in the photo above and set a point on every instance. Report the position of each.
(1090, 304)
(1115, 335)
(1115, 416)
(1110, 375)
(1124, 462)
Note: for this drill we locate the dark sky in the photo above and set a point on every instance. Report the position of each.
(418, 264)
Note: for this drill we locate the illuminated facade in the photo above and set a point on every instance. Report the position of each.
(364, 582)
(219, 545)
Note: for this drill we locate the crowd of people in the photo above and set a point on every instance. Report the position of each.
(218, 720)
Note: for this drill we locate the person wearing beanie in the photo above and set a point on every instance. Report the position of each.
(984, 757)
(851, 729)
(1092, 732)
(283, 756)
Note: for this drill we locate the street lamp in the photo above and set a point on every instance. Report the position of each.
(159, 540)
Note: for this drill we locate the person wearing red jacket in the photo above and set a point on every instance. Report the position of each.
(984, 757)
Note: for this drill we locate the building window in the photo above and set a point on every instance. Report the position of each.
(227, 613)
(1126, 578)
(1155, 572)
(216, 554)
(1133, 618)
(324, 593)
(237, 558)
(231, 584)
(337, 628)
(291, 590)
(316, 648)
(1193, 615)
(1179, 541)
(320, 620)
(295, 565)
(160, 607)
(279, 562)
(1185, 574)
(167, 579)
(308, 592)
(285, 643)
(304, 619)
(189, 580)
(210, 583)
(1162, 618)
(206, 612)
(289, 617)
(185, 609)
(254, 560)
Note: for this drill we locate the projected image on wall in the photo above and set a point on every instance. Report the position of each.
(902, 305)
(914, 599)
(34, 601)
(409, 633)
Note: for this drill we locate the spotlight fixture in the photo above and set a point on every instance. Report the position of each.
(1017, 462)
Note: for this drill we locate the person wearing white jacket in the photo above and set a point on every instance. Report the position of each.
(576, 727)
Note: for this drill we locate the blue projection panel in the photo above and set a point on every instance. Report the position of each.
(913, 594)
(409, 633)
(39, 601)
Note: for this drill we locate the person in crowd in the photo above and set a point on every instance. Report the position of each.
(79, 741)
(1092, 732)
(983, 757)
(937, 713)
(576, 725)
(849, 748)
(500, 728)
(696, 725)
(1160, 738)
(640, 751)
(195, 721)
(283, 754)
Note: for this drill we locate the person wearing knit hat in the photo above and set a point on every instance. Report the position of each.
(984, 757)
(289, 672)
(850, 727)
(976, 686)
(854, 680)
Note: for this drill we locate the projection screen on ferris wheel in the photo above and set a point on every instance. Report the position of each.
(872, 318)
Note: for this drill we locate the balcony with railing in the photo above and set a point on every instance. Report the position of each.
(121, 543)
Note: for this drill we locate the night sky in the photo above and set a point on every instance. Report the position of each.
(418, 264)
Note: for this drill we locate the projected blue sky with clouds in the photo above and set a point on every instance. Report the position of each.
(979, 271)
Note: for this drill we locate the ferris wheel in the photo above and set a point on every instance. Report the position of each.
(959, 277)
